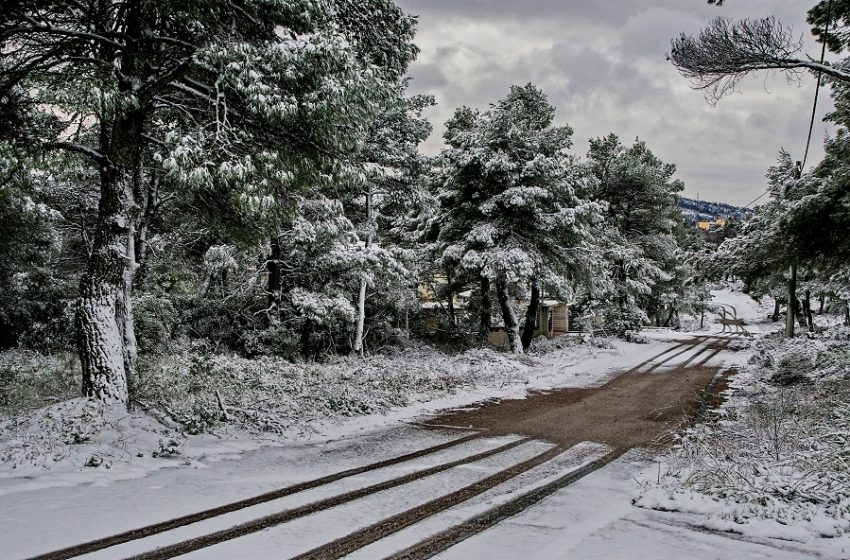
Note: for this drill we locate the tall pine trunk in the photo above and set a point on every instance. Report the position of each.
(531, 314)
(807, 310)
(485, 311)
(148, 215)
(776, 310)
(361, 296)
(792, 298)
(105, 332)
(509, 317)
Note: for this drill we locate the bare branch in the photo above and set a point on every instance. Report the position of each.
(77, 148)
(725, 51)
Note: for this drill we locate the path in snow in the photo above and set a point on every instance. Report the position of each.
(409, 492)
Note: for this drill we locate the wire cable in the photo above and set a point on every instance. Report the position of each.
(814, 103)
(818, 86)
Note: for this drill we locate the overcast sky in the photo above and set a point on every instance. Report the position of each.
(603, 66)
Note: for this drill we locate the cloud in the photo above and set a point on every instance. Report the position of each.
(603, 66)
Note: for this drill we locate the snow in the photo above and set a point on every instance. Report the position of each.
(53, 446)
(592, 518)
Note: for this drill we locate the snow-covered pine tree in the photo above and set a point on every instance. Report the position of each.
(640, 193)
(394, 169)
(282, 91)
(513, 213)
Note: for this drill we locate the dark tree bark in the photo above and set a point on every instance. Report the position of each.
(106, 339)
(531, 314)
(485, 311)
(807, 309)
(149, 212)
(799, 313)
(450, 288)
(821, 303)
(509, 317)
(275, 275)
(306, 332)
(776, 309)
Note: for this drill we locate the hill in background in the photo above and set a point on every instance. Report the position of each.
(701, 210)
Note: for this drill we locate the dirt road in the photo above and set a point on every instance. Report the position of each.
(489, 464)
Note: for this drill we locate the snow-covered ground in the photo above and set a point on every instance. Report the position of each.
(45, 509)
(79, 442)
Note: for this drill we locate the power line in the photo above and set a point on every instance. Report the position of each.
(820, 80)
(756, 199)
(814, 103)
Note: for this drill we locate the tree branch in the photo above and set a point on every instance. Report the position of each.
(77, 148)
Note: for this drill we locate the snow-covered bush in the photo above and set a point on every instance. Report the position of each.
(270, 394)
(29, 379)
(777, 450)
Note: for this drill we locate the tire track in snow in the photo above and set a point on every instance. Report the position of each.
(359, 539)
(446, 539)
(157, 528)
(279, 518)
(690, 347)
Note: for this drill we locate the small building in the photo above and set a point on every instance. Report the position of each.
(706, 225)
(553, 319)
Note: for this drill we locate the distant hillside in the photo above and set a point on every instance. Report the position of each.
(700, 210)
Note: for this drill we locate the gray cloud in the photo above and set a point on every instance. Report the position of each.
(603, 66)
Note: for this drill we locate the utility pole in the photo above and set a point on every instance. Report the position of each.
(792, 278)
(792, 296)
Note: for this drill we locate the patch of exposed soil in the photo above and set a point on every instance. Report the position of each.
(632, 410)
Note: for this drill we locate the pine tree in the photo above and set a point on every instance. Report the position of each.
(640, 193)
(513, 213)
(271, 96)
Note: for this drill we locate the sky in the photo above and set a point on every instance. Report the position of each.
(603, 66)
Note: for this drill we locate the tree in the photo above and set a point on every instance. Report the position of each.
(725, 51)
(513, 207)
(265, 95)
(641, 197)
(393, 167)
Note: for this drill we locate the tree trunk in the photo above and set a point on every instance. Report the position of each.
(531, 314)
(148, 215)
(670, 317)
(451, 299)
(821, 303)
(620, 283)
(485, 311)
(807, 310)
(105, 336)
(776, 309)
(306, 330)
(509, 317)
(361, 318)
(361, 297)
(275, 281)
(799, 313)
(792, 297)
(846, 313)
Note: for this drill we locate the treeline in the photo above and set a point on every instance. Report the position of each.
(247, 177)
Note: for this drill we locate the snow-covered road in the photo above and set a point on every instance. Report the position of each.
(458, 494)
